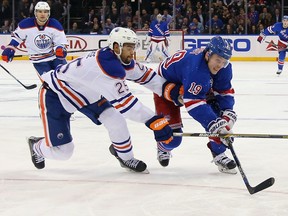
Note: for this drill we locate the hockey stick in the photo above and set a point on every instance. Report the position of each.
(275, 136)
(25, 86)
(263, 185)
(73, 51)
(252, 190)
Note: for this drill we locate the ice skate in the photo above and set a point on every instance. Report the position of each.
(38, 161)
(225, 164)
(133, 164)
(279, 72)
(163, 157)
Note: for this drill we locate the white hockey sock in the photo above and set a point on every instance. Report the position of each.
(116, 125)
(62, 152)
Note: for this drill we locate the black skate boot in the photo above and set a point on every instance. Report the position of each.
(163, 157)
(279, 71)
(38, 161)
(224, 164)
(132, 165)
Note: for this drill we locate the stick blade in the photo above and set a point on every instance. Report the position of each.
(31, 86)
(265, 184)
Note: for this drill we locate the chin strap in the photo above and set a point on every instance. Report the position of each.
(118, 56)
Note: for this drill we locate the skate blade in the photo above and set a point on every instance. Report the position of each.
(227, 171)
(146, 171)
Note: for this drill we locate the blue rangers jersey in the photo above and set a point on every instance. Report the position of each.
(277, 29)
(100, 73)
(158, 31)
(189, 68)
(39, 40)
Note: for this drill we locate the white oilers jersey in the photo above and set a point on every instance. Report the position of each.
(40, 41)
(86, 79)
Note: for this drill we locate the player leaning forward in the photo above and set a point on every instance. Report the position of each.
(204, 77)
(87, 84)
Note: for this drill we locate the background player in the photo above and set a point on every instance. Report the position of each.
(280, 29)
(198, 73)
(158, 37)
(44, 39)
(86, 84)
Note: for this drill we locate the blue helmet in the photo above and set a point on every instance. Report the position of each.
(220, 46)
(285, 17)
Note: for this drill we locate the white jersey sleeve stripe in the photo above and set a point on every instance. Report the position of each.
(72, 96)
(125, 103)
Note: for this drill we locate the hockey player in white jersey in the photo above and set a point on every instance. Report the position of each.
(158, 37)
(87, 84)
(44, 39)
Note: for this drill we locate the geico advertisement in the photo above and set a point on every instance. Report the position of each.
(243, 45)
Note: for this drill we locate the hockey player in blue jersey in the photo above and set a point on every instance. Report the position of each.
(198, 73)
(280, 29)
(44, 38)
(158, 37)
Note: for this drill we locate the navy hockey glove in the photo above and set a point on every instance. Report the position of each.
(173, 92)
(60, 52)
(220, 126)
(230, 116)
(160, 126)
(8, 53)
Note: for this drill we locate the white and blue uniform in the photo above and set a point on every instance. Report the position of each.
(278, 29)
(159, 36)
(82, 85)
(190, 69)
(40, 42)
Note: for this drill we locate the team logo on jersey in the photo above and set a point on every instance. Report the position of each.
(60, 135)
(43, 41)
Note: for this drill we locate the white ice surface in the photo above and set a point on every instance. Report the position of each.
(92, 182)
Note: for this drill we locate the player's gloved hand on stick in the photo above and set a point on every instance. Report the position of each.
(220, 126)
(8, 53)
(230, 116)
(261, 37)
(60, 52)
(173, 92)
(162, 130)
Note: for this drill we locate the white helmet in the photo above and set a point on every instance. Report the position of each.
(42, 6)
(120, 36)
(159, 17)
